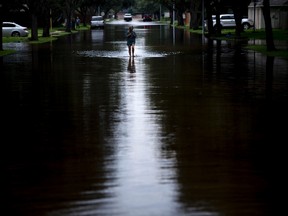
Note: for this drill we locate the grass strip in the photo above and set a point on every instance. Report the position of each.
(6, 52)
(263, 49)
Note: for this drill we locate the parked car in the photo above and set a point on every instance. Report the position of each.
(97, 22)
(128, 17)
(13, 29)
(147, 18)
(228, 21)
(247, 23)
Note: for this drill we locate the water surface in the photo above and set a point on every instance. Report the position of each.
(183, 128)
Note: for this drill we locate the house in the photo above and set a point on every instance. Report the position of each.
(278, 12)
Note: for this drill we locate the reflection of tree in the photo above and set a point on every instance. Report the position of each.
(65, 123)
(269, 75)
(211, 133)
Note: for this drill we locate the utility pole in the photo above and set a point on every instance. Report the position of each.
(173, 21)
(51, 21)
(203, 8)
(1, 39)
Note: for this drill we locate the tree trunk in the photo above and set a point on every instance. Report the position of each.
(46, 25)
(268, 26)
(171, 16)
(194, 13)
(46, 30)
(209, 19)
(1, 21)
(84, 15)
(73, 24)
(218, 28)
(68, 13)
(238, 21)
(68, 23)
(34, 28)
(180, 18)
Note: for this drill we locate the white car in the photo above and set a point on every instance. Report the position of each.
(228, 21)
(128, 17)
(13, 29)
(97, 22)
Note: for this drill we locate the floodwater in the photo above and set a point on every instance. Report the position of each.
(186, 127)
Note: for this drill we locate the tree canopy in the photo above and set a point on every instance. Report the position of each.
(42, 11)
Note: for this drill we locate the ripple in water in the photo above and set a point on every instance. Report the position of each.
(121, 54)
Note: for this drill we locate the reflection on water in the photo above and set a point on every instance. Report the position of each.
(137, 151)
(131, 65)
(123, 53)
(173, 131)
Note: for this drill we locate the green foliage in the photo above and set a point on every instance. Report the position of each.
(278, 34)
(6, 52)
(263, 49)
(147, 6)
(14, 39)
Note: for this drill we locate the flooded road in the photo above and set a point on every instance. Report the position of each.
(183, 128)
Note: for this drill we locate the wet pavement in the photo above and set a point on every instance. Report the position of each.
(183, 128)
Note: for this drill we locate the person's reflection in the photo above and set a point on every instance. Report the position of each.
(131, 65)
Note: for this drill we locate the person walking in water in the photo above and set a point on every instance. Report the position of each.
(131, 39)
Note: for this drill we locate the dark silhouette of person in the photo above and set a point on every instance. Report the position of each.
(131, 39)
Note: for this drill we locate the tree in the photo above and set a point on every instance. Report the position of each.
(1, 21)
(148, 6)
(69, 7)
(33, 8)
(115, 5)
(217, 7)
(46, 15)
(239, 8)
(209, 11)
(85, 6)
(128, 3)
(194, 12)
(176, 6)
(38, 9)
(268, 26)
